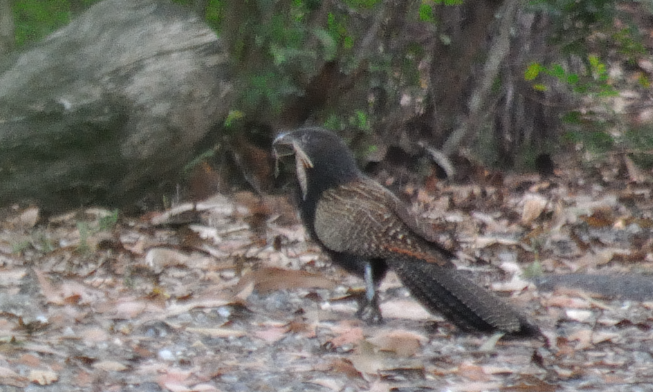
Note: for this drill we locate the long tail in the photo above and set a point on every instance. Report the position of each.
(470, 307)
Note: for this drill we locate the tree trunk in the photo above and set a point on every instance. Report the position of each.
(109, 107)
(478, 102)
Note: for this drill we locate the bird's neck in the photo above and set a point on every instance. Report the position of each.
(320, 181)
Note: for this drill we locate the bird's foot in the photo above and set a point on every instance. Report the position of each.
(370, 312)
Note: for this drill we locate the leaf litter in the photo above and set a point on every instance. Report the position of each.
(225, 302)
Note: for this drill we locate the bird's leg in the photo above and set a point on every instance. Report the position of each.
(369, 308)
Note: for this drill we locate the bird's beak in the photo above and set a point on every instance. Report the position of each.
(285, 145)
(282, 146)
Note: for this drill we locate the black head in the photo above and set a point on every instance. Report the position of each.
(322, 158)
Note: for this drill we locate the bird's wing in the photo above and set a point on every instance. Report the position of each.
(365, 219)
(417, 226)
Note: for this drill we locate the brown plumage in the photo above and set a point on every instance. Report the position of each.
(366, 230)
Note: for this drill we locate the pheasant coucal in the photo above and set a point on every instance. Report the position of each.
(366, 229)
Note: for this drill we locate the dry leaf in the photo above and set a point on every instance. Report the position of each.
(579, 315)
(176, 380)
(94, 335)
(345, 367)
(475, 386)
(534, 205)
(207, 233)
(515, 284)
(27, 219)
(486, 241)
(137, 248)
(83, 379)
(634, 173)
(599, 219)
(598, 337)
(473, 372)
(272, 334)
(180, 307)
(62, 294)
(204, 388)
(328, 383)
(584, 338)
(272, 279)
(368, 363)
(405, 309)
(403, 343)
(9, 377)
(110, 366)
(174, 387)
(217, 332)
(11, 276)
(491, 343)
(244, 288)
(563, 301)
(349, 336)
(160, 258)
(129, 308)
(30, 360)
(43, 377)
(380, 386)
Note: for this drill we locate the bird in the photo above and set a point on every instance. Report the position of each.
(365, 229)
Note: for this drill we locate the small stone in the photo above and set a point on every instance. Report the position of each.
(166, 355)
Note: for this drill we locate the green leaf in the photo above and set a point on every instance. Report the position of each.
(594, 61)
(572, 79)
(557, 71)
(539, 87)
(608, 91)
(232, 117)
(573, 117)
(582, 88)
(278, 53)
(448, 2)
(348, 42)
(532, 71)
(426, 13)
(643, 81)
(108, 222)
(328, 43)
(360, 120)
(534, 270)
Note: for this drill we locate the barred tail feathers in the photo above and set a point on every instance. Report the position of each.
(469, 306)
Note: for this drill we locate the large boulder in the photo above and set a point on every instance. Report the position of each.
(106, 109)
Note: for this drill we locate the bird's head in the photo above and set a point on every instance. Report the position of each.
(322, 159)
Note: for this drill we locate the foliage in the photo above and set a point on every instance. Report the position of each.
(594, 82)
(636, 141)
(108, 222)
(597, 141)
(35, 19)
(639, 142)
(427, 12)
(576, 20)
(280, 47)
(20, 246)
(587, 30)
(84, 233)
